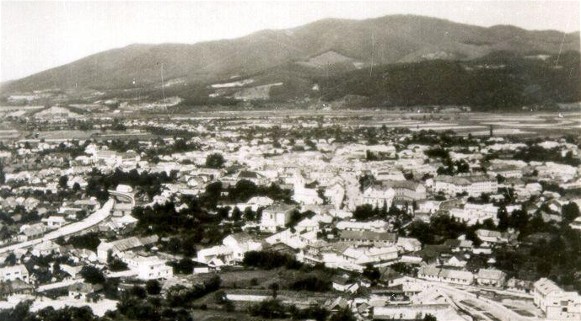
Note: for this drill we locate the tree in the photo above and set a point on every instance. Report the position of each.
(153, 287)
(502, 216)
(363, 212)
(274, 287)
(215, 160)
(92, 275)
(430, 317)
(570, 211)
(10, 259)
(63, 180)
(371, 272)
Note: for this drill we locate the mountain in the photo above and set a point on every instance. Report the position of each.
(330, 46)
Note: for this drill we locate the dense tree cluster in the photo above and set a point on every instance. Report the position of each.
(147, 183)
(275, 309)
(539, 154)
(269, 260)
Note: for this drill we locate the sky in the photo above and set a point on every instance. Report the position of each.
(39, 35)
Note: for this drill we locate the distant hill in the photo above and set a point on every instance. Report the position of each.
(325, 48)
(498, 81)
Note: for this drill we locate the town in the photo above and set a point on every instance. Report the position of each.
(304, 215)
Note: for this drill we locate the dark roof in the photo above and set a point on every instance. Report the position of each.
(248, 174)
(368, 236)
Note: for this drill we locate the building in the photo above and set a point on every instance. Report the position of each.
(472, 185)
(432, 273)
(147, 267)
(558, 305)
(240, 243)
(342, 283)
(491, 277)
(368, 237)
(275, 216)
(81, 290)
(378, 196)
(104, 250)
(16, 272)
(407, 190)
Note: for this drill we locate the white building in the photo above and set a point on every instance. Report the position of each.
(472, 185)
(378, 196)
(240, 243)
(557, 304)
(147, 267)
(275, 216)
(16, 272)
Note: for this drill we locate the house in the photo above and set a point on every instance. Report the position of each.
(30, 232)
(456, 261)
(16, 272)
(307, 225)
(408, 244)
(515, 284)
(54, 221)
(456, 277)
(254, 177)
(432, 273)
(429, 272)
(275, 216)
(240, 243)
(256, 202)
(490, 238)
(377, 196)
(491, 277)
(147, 267)
(215, 256)
(17, 286)
(558, 305)
(373, 226)
(472, 185)
(406, 190)
(368, 237)
(45, 248)
(343, 283)
(81, 290)
(105, 249)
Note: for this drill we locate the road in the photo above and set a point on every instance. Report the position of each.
(481, 307)
(90, 221)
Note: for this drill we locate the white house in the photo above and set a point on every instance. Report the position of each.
(16, 272)
(240, 243)
(275, 216)
(409, 244)
(472, 185)
(378, 196)
(491, 277)
(558, 305)
(54, 221)
(147, 267)
(256, 202)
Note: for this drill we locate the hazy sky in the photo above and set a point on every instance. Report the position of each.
(40, 35)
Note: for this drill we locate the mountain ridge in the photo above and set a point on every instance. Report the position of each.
(379, 41)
